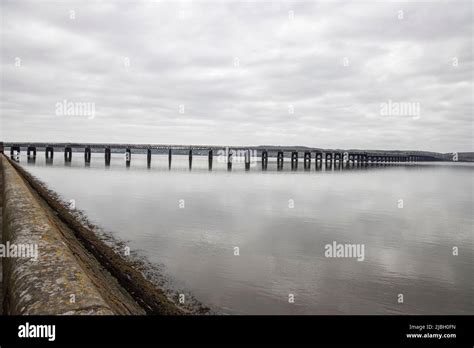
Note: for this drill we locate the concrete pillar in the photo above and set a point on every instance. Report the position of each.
(190, 158)
(169, 158)
(148, 158)
(15, 152)
(319, 156)
(67, 154)
(247, 160)
(351, 157)
(294, 160)
(328, 157)
(338, 157)
(107, 156)
(264, 159)
(87, 154)
(280, 160)
(49, 152)
(2, 148)
(128, 156)
(210, 158)
(307, 160)
(229, 160)
(31, 149)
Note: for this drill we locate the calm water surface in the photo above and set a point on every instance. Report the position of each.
(281, 222)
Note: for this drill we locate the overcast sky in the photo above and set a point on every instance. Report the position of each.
(242, 73)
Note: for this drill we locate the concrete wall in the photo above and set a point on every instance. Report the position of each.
(46, 285)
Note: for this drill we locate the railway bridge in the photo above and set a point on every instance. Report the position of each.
(248, 153)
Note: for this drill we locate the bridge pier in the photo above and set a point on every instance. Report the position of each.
(307, 160)
(210, 158)
(247, 160)
(87, 154)
(128, 156)
(2, 148)
(280, 160)
(169, 158)
(229, 160)
(294, 160)
(15, 153)
(148, 158)
(49, 152)
(329, 157)
(190, 158)
(107, 156)
(264, 159)
(338, 157)
(319, 156)
(31, 149)
(67, 154)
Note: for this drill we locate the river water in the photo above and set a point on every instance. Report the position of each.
(255, 242)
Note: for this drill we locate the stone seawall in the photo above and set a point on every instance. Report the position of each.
(75, 272)
(51, 283)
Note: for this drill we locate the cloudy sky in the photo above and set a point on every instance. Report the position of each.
(330, 74)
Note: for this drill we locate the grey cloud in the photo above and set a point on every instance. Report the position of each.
(184, 53)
